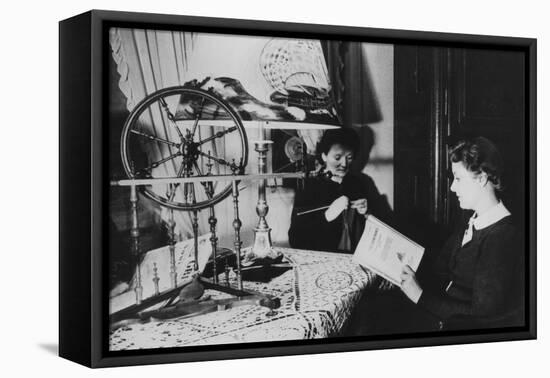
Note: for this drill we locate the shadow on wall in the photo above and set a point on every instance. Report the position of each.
(367, 141)
(352, 83)
(362, 104)
(382, 207)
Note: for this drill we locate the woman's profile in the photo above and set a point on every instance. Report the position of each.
(478, 279)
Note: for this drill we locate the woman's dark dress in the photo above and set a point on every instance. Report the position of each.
(312, 231)
(479, 284)
(487, 288)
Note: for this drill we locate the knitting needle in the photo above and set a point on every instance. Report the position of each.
(316, 209)
(312, 210)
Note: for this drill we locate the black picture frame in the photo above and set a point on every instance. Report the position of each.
(84, 187)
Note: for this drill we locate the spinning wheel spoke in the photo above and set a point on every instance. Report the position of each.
(157, 139)
(181, 170)
(162, 161)
(174, 187)
(198, 117)
(216, 159)
(206, 185)
(193, 195)
(172, 191)
(219, 134)
(189, 193)
(197, 168)
(171, 118)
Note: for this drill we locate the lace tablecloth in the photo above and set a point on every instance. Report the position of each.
(317, 296)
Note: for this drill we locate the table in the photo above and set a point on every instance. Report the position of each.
(317, 297)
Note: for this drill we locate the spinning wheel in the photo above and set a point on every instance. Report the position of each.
(184, 132)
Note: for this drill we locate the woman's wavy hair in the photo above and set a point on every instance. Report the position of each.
(345, 137)
(480, 155)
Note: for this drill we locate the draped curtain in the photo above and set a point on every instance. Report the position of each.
(352, 88)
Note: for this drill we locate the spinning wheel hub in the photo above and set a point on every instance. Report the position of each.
(190, 151)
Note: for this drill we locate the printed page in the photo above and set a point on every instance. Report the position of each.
(385, 251)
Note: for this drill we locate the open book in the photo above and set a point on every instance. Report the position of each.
(385, 251)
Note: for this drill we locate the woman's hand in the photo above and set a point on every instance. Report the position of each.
(360, 205)
(336, 207)
(409, 284)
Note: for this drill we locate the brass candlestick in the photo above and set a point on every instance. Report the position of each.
(262, 247)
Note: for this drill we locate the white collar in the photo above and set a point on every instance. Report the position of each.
(491, 216)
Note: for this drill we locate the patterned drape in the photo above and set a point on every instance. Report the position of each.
(148, 60)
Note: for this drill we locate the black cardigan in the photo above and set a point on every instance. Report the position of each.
(487, 275)
(312, 231)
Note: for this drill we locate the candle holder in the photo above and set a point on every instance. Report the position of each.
(262, 247)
